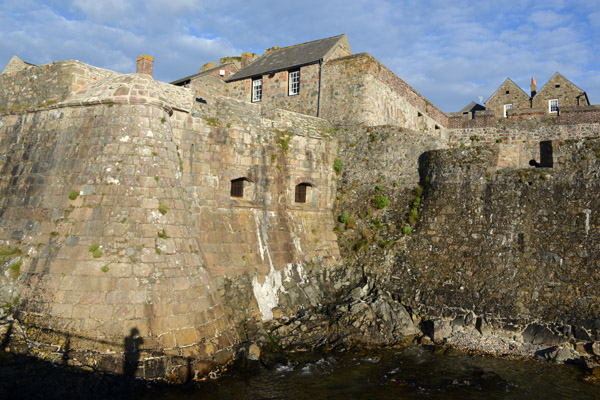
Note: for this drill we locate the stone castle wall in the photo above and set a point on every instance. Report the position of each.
(520, 139)
(513, 246)
(359, 90)
(97, 217)
(46, 85)
(487, 119)
(262, 246)
(118, 223)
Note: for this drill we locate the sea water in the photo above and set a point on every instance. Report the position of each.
(409, 373)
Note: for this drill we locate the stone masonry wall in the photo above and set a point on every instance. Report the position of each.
(377, 161)
(261, 248)
(359, 90)
(275, 91)
(98, 237)
(513, 246)
(45, 85)
(566, 116)
(510, 132)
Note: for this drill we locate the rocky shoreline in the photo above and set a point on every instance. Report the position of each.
(369, 318)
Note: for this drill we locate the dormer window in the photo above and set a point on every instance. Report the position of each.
(553, 105)
(294, 82)
(256, 90)
(506, 108)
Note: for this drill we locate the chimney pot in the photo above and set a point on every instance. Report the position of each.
(144, 64)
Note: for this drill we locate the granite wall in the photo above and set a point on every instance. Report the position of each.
(515, 246)
(358, 89)
(123, 248)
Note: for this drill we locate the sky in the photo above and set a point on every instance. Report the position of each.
(452, 52)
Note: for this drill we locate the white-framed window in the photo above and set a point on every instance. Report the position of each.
(553, 105)
(506, 108)
(294, 82)
(256, 89)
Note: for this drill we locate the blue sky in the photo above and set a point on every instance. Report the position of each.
(451, 52)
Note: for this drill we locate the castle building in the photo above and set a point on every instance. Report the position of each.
(178, 215)
(509, 100)
(322, 79)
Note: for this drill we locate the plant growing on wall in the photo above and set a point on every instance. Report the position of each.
(344, 217)
(381, 202)
(163, 209)
(283, 140)
(338, 165)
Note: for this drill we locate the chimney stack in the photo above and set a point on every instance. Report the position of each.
(144, 64)
(247, 58)
(533, 87)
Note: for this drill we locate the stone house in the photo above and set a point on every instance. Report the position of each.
(510, 99)
(323, 79)
(289, 77)
(507, 97)
(558, 92)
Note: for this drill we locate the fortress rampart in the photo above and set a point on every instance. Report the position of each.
(118, 225)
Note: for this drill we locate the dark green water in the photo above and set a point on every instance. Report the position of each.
(411, 373)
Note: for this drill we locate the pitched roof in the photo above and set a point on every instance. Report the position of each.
(288, 57)
(513, 83)
(472, 106)
(559, 75)
(181, 81)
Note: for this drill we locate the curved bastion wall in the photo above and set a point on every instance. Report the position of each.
(122, 246)
(96, 216)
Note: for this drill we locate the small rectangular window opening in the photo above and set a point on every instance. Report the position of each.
(508, 92)
(237, 187)
(294, 82)
(300, 196)
(256, 90)
(556, 86)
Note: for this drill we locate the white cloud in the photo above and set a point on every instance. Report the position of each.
(548, 19)
(451, 52)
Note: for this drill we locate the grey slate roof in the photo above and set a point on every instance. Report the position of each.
(287, 57)
(472, 106)
(199, 74)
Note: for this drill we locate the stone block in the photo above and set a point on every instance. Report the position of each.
(185, 337)
(101, 311)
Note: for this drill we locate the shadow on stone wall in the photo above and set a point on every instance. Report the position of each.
(131, 350)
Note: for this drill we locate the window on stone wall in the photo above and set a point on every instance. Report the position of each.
(294, 82)
(237, 187)
(257, 89)
(506, 108)
(302, 192)
(553, 105)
